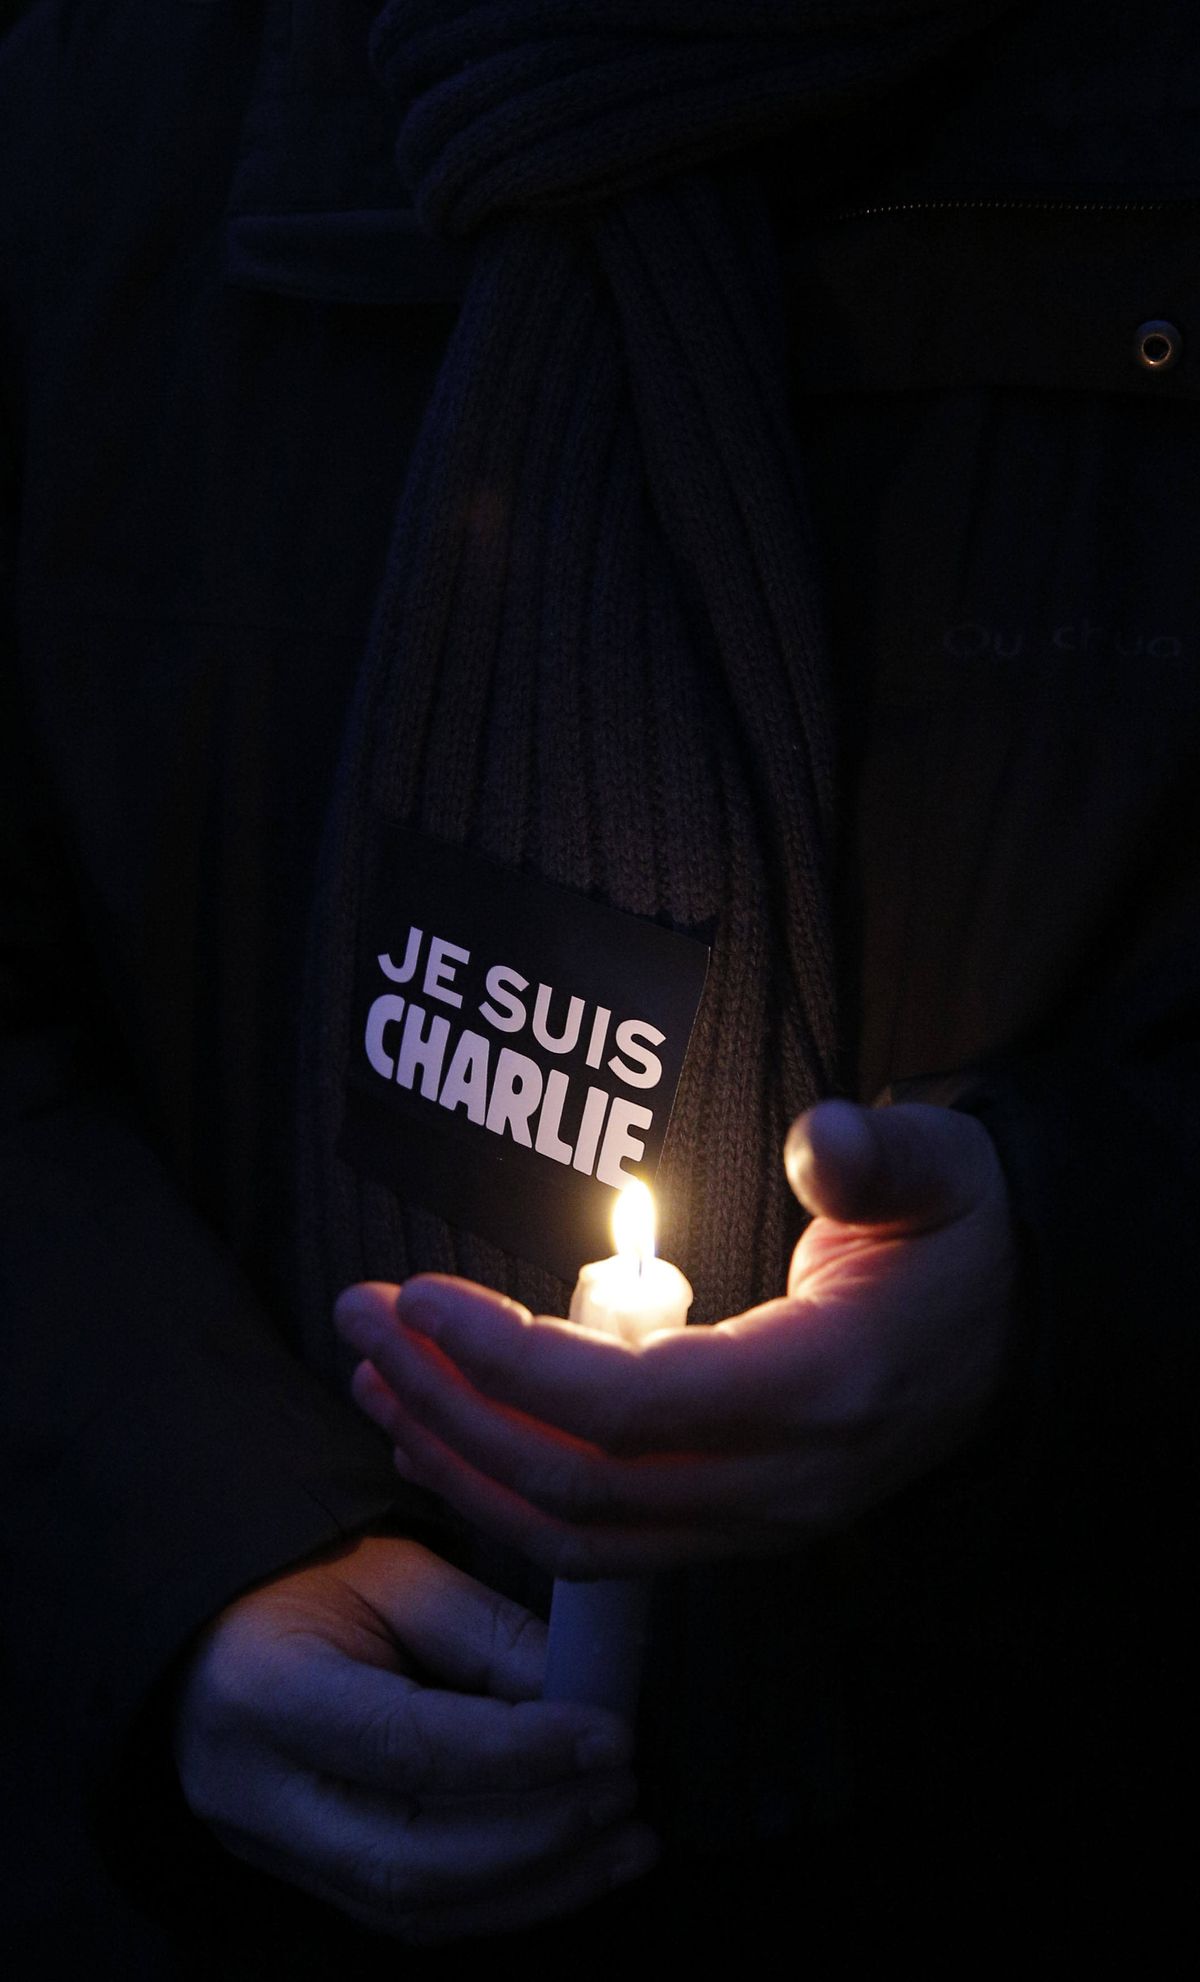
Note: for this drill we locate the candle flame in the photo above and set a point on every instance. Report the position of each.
(633, 1222)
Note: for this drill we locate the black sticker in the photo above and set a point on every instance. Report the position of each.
(516, 1048)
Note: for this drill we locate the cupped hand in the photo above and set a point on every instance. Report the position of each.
(430, 1808)
(600, 1459)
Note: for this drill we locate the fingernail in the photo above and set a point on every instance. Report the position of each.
(603, 1748)
(797, 1155)
(355, 1308)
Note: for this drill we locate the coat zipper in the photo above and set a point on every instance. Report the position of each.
(1014, 205)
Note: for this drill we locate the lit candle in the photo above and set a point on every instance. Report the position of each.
(598, 1630)
(633, 1294)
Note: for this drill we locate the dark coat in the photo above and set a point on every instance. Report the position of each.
(209, 398)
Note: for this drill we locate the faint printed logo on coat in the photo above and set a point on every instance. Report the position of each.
(987, 640)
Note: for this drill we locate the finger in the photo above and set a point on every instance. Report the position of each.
(625, 1852)
(908, 1168)
(694, 1388)
(739, 1495)
(395, 1854)
(467, 1634)
(381, 1730)
(500, 1346)
(556, 1545)
(574, 1480)
(375, 1396)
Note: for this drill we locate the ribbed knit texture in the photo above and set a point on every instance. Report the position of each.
(598, 656)
(598, 651)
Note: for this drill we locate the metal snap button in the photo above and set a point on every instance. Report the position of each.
(1157, 345)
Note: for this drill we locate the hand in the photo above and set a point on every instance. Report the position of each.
(599, 1459)
(304, 1742)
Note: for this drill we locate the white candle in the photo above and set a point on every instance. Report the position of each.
(633, 1294)
(598, 1630)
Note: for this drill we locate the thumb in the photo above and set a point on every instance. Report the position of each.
(908, 1167)
(466, 1634)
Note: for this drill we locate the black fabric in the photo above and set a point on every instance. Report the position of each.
(598, 654)
(598, 650)
(204, 444)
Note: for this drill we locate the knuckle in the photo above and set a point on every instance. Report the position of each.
(383, 1877)
(235, 1697)
(401, 1745)
(240, 1664)
(514, 1631)
(225, 1686)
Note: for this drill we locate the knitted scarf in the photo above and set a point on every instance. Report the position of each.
(598, 652)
